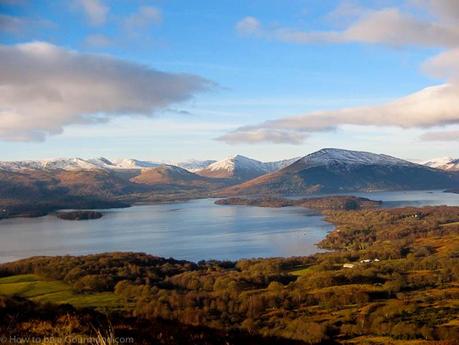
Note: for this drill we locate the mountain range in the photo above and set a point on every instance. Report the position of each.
(335, 170)
(235, 166)
(130, 180)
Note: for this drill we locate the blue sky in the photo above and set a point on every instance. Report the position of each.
(254, 74)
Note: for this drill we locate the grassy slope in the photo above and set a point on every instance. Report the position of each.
(39, 289)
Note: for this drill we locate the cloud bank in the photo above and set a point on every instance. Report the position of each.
(44, 88)
(433, 106)
(441, 136)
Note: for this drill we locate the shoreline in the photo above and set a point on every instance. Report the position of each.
(51, 207)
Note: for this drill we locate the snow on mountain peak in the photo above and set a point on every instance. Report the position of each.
(194, 164)
(130, 163)
(331, 155)
(231, 166)
(77, 164)
(444, 163)
(51, 164)
(242, 167)
(236, 162)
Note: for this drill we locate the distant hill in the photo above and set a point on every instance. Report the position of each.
(335, 170)
(74, 164)
(175, 176)
(35, 192)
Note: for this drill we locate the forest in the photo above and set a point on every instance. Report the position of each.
(388, 276)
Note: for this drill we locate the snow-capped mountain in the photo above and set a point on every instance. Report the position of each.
(336, 170)
(194, 165)
(133, 164)
(71, 164)
(330, 156)
(52, 164)
(277, 165)
(443, 163)
(241, 168)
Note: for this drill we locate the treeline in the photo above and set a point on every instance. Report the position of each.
(342, 202)
(358, 230)
(394, 275)
(37, 208)
(26, 322)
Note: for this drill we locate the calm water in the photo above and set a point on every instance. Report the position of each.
(191, 230)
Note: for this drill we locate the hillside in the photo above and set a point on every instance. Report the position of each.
(335, 170)
(29, 192)
(175, 176)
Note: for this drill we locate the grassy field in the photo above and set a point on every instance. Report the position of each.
(300, 272)
(39, 289)
(450, 224)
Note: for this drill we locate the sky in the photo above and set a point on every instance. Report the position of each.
(172, 80)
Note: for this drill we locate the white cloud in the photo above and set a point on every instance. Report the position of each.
(390, 26)
(45, 88)
(98, 40)
(248, 25)
(427, 108)
(144, 17)
(444, 9)
(387, 26)
(254, 135)
(95, 10)
(444, 65)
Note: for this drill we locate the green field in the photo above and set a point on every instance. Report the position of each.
(39, 289)
(301, 271)
(450, 224)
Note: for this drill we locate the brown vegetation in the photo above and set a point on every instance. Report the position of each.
(321, 203)
(301, 178)
(79, 215)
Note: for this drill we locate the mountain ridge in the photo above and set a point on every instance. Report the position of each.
(242, 168)
(338, 170)
(33, 187)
